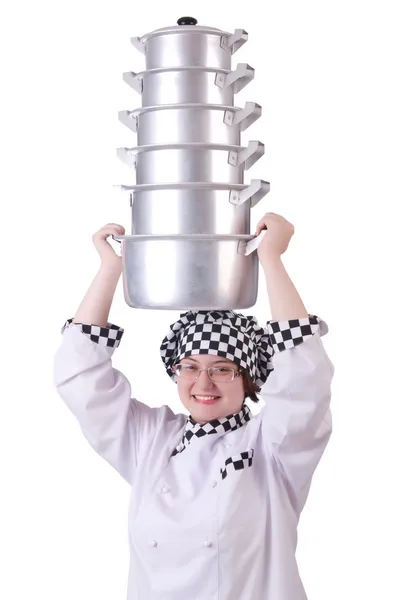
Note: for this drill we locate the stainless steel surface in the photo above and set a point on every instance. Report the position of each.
(178, 163)
(197, 46)
(188, 211)
(206, 123)
(190, 205)
(193, 208)
(188, 272)
(203, 85)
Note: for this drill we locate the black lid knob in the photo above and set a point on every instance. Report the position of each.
(187, 21)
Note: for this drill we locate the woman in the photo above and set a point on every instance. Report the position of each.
(216, 496)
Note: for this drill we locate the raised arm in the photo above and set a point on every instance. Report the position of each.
(296, 419)
(96, 304)
(97, 394)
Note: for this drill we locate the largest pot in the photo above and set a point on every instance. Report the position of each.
(197, 272)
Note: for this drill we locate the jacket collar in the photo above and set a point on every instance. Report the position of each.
(194, 430)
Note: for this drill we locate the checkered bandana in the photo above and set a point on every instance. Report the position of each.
(194, 430)
(226, 333)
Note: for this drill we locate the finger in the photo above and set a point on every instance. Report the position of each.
(262, 224)
(109, 229)
(259, 229)
(113, 226)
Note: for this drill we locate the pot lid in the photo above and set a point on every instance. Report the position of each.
(184, 24)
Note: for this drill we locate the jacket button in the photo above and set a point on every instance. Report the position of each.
(214, 483)
(208, 544)
(153, 543)
(165, 490)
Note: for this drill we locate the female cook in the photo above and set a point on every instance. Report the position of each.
(216, 496)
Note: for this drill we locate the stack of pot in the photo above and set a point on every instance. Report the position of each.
(190, 245)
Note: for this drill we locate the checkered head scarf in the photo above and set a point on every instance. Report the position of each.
(224, 333)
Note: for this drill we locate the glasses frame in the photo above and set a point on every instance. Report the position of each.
(236, 372)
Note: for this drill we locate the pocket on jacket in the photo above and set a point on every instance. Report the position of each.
(237, 462)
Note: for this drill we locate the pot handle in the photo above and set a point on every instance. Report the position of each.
(138, 44)
(248, 248)
(254, 192)
(126, 157)
(234, 41)
(238, 78)
(245, 248)
(248, 156)
(245, 116)
(133, 81)
(117, 248)
(127, 119)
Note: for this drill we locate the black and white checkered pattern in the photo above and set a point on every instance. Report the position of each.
(287, 334)
(238, 462)
(109, 336)
(194, 430)
(233, 336)
(217, 336)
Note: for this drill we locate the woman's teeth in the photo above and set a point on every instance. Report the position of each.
(206, 398)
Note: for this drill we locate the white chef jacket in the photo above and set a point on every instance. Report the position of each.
(217, 519)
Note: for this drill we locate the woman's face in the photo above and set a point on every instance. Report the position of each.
(229, 395)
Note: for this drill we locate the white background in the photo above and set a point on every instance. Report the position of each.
(325, 76)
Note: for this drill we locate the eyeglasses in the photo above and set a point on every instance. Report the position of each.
(219, 374)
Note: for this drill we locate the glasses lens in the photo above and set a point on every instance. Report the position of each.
(221, 374)
(187, 371)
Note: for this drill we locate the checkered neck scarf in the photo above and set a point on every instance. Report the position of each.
(225, 333)
(194, 430)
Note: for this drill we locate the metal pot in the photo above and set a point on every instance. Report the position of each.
(209, 123)
(185, 272)
(179, 163)
(188, 44)
(182, 85)
(194, 208)
(190, 206)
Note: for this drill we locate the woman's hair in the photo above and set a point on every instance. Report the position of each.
(250, 388)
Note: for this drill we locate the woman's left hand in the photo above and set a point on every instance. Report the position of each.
(278, 234)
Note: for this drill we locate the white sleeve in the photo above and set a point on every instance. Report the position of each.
(99, 396)
(296, 418)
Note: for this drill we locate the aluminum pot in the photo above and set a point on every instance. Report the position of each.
(188, 44)
(182, 85)
(178, 163)
(193, 208)
(210, 123)
(189, 272)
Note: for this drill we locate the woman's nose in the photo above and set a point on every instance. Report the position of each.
(205, 373)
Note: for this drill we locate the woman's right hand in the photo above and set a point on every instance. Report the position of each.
(105, 250)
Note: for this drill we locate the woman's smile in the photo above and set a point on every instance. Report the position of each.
(206, 399)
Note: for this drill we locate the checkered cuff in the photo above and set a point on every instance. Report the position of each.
(109, 336)
(287, 334)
